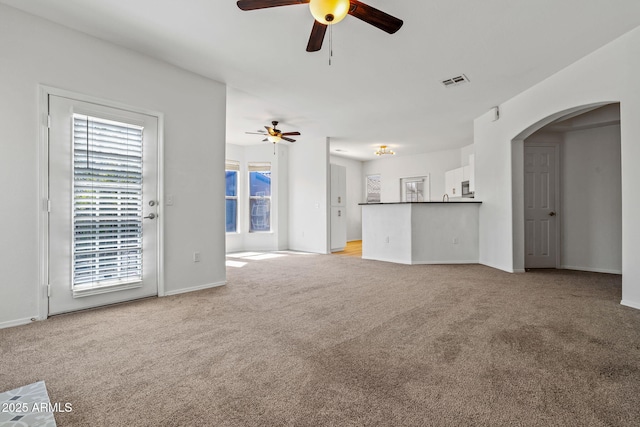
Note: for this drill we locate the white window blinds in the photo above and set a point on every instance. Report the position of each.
(259, 167)
(107, 202)
(232, 165)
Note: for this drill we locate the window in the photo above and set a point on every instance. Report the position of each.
(107, 202)
(415, 189)
(231, 195)
(259, 197)
(373, 188)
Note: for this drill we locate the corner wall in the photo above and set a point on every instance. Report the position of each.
(35, 51)
(308, 196)
(591, 217)
(605, 76)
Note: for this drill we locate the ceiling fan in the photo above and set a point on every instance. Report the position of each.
(328, 12)
(275, 135)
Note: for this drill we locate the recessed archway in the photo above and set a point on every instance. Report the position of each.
(518, 187)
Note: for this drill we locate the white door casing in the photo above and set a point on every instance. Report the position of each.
(541, 205)
(63, 296)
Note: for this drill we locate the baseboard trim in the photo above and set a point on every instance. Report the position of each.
(195, 288)
(17, 322)
(395, 261)
(592, 270)
(518, 270)
(445, 262)
(631, 304)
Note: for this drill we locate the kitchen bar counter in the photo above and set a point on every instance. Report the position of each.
(421, 232)
(419, 203)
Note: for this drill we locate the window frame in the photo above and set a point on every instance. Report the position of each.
(233, 166)
(258, 167)
(369, 196)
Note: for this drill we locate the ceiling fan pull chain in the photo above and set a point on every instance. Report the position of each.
(330, 43)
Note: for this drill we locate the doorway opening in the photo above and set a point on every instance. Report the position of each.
(568, 195)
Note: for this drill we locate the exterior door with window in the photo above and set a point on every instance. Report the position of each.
(103, 192)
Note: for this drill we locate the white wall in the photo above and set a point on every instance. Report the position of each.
(355, 195)
(278, 237)
(391, 169)
(465, 152)
(606, 75)
(591, 205)
(34, 51)
(308, 196)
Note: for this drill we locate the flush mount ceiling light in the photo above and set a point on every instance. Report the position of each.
(383, 150)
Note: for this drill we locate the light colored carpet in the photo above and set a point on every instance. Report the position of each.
(320, 340)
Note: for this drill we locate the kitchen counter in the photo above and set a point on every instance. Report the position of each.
(418, 203)
(421, 232)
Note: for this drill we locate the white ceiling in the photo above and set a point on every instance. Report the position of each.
(380, 88)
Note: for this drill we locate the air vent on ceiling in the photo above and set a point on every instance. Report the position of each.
(455, 81)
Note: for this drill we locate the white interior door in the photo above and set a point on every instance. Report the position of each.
(103, 192)
(540, 180)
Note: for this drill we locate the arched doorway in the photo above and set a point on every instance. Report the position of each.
(566, 191)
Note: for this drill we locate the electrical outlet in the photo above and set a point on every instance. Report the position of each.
(196, 257)
(169, 200)
(455, 241)
(386, 240)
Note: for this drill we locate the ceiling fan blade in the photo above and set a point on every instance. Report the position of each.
(256, 133)
(290, 133)
(270, 130)
(375, 17)
(265, 140)
(288, 139)
(317, 36)
(263, 4)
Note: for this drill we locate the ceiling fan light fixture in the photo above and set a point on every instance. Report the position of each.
(383, 150)
(274, 138)
(329, 12)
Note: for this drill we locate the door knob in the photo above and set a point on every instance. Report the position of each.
(150, 216)
(552, 213)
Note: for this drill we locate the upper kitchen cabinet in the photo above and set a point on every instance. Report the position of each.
(471, 173)
(453, 179)
(338, 185)
(453, 182)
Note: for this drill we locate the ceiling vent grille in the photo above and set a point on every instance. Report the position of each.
(455, 81)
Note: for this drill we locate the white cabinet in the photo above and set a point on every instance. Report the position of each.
(472, 173)
(453, 179)
(453, 182)
(338, 192)
(338, 185)
(338, 228)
